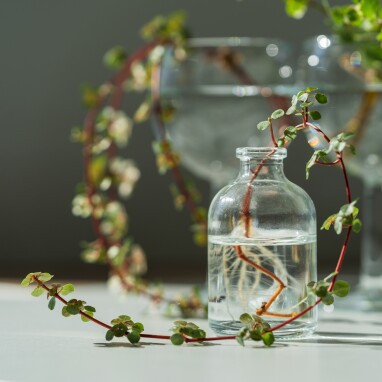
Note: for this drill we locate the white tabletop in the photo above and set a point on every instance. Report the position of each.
(39, 345)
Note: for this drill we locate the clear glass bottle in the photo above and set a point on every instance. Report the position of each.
(262, 247)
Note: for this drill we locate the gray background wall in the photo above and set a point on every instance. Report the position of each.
(48, 48)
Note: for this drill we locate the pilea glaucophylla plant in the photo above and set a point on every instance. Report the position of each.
(110, 178)
(254, 326)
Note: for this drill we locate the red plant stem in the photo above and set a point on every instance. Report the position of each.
(345, 244)
(272, 134)
(143, 335)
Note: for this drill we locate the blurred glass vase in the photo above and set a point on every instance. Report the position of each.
(220, 91)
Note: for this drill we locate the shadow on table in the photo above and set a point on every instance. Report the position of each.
(143, 344)
(342, 339)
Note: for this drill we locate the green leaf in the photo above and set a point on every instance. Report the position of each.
(44, 277)
(357, 225)
(27, 280)
(277, 114)
(263, 125)
(177, 339)
(89, 308)
(38, 291)
(296, 8)
(321, 291)
(85, 319)
(341, 288)
(321, 98)
(268, 338)
(311, 284)
(66, 289)
(328, 299)
(134, 337)
(302, 96)
(119, 330)
(255, 335)
(65, 312)
(52, 303)
(315, 115)
(246, 318)
(138, 327)
(240, 340)
(73, 309)
(109, 335)
(291, 132)
(291, 110)
(115, 57)
(329, 221)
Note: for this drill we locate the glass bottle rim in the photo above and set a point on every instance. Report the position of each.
(248, 153)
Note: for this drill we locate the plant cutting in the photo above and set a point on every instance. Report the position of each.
(254, 326)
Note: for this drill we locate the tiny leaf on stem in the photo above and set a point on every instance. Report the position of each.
(52, 303)
(177, 339)
(263, 125)
(341, 288)
(38, 291)
(277, 114)
(321, 98)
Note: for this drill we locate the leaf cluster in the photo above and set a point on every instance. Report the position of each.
(337, 145)
(255, 329)
(321, 289)
(183, 330)
(344, 218)
(300, 103)
(124, 326)
(75, 307)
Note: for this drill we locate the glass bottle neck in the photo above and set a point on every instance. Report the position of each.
(271, 169)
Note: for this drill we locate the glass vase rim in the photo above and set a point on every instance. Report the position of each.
(250, 153)
(238, 41)
(336, 39)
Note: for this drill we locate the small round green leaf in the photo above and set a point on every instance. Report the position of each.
(246, 318)
(86, 319)
(89, 308)
(134, 337)
(119, 330)
(138, 327)
(73, 309)
(328, 299)
(37, 292)
(321, 291)
(277, 114)
(321, 98)
(66, 289)
(109, 335)
(268, 338)
(255, 335)
(263, 125)
(65, 312)
(177, 339)
(315, 115)
(357, 225)
(52, 303)
(341, 288)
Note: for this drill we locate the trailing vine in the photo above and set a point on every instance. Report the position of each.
(109, 177)
(254, 326)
